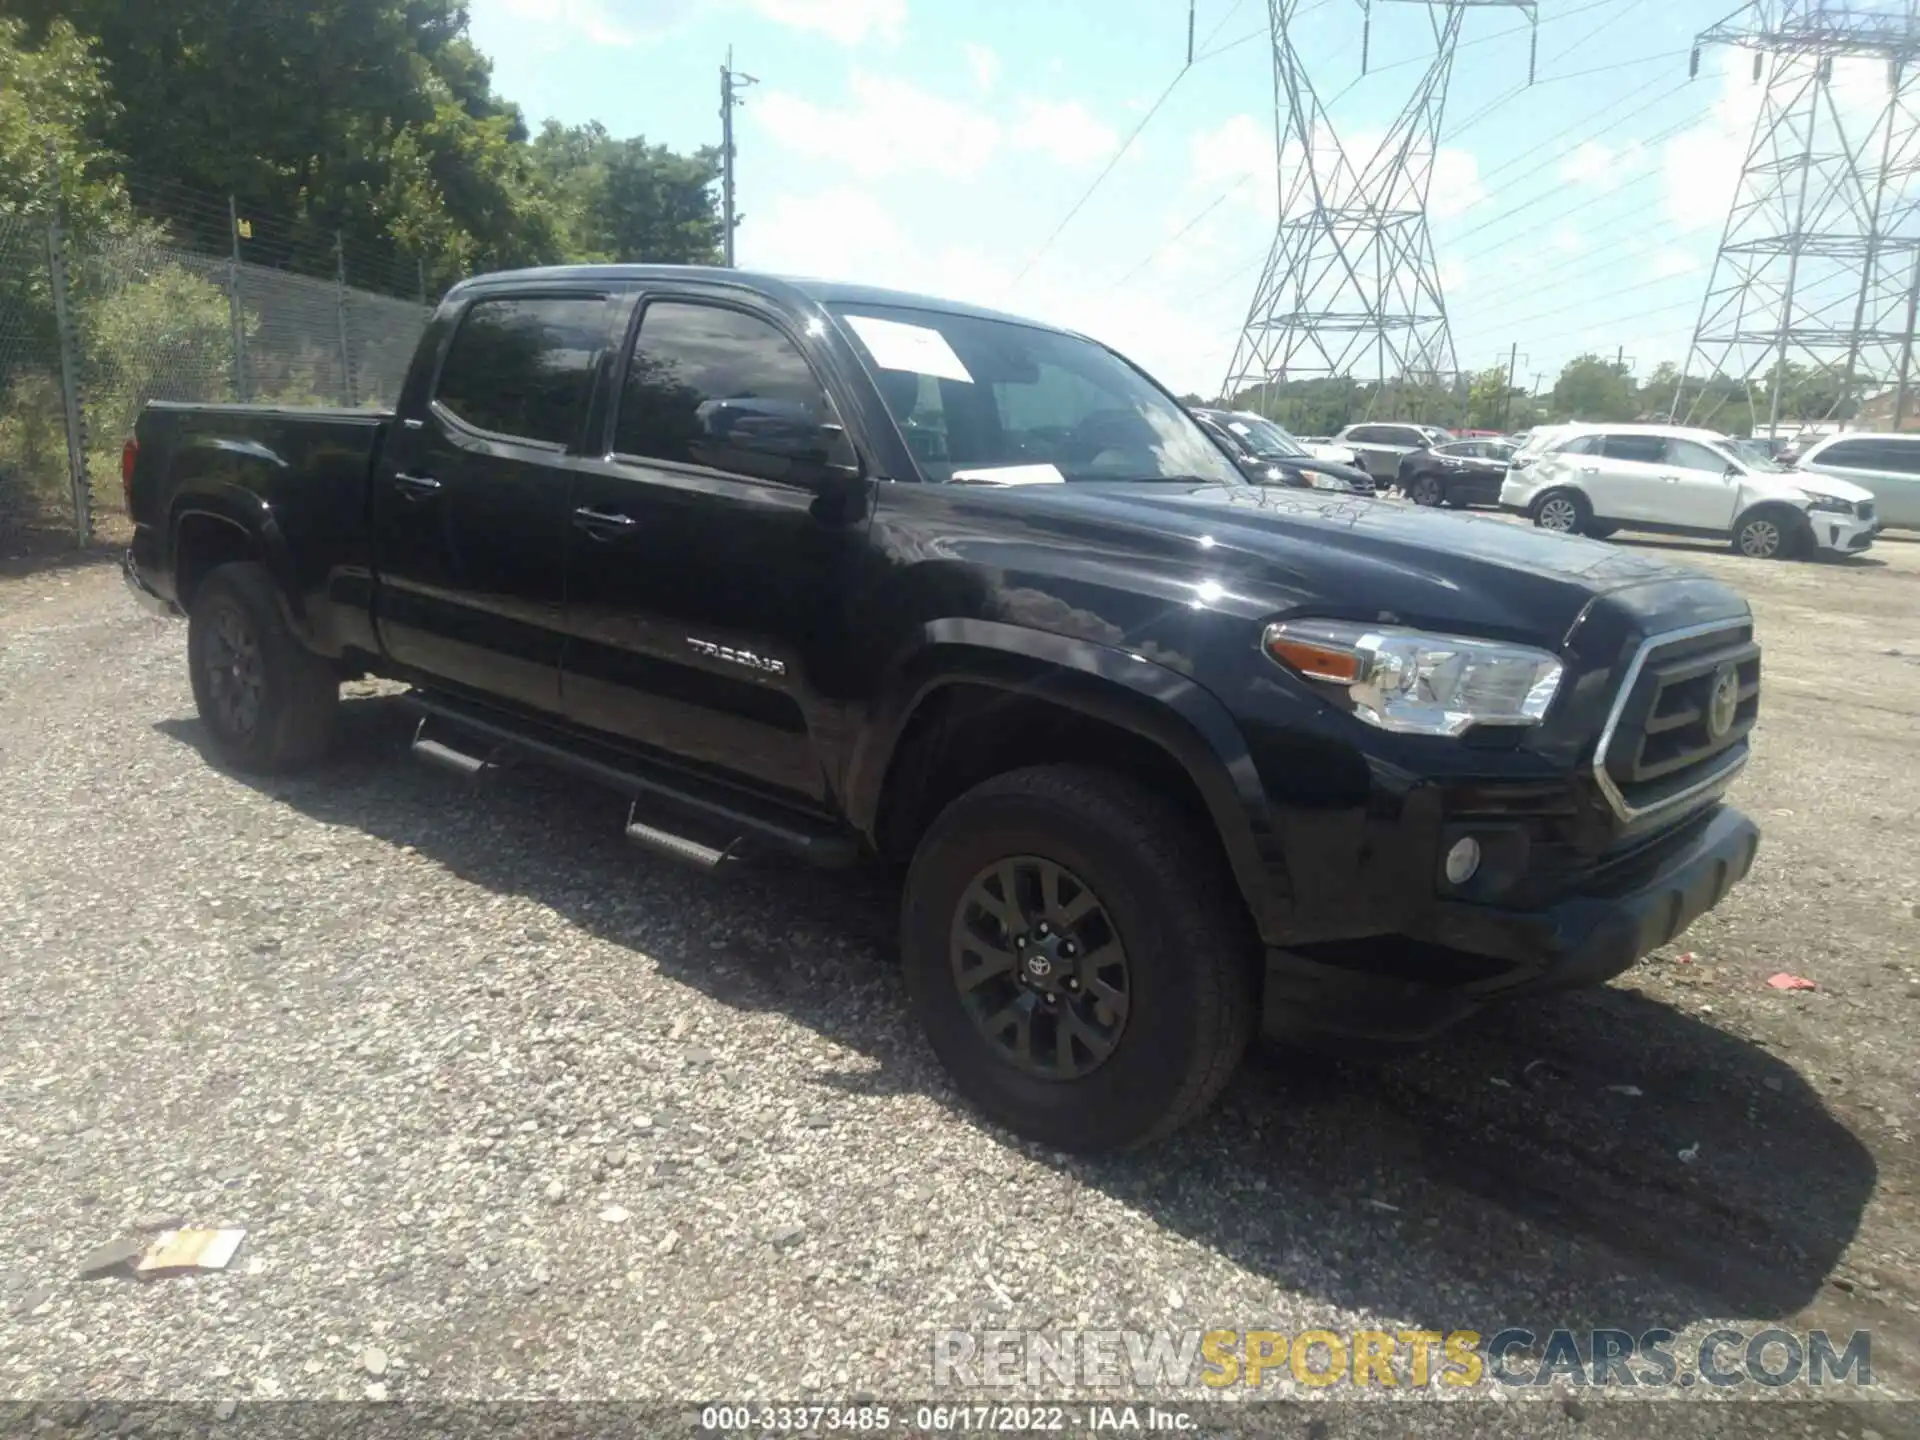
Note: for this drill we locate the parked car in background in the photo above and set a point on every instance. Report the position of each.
(1268, 455)
(1886, 464)
(1379, 448)
(1672, 479)
(1459, 473)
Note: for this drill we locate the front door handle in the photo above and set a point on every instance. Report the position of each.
(1671, 479)
(416, 487)
(599, 522)
(1589, 469)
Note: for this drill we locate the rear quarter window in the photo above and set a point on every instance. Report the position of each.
(522, 366)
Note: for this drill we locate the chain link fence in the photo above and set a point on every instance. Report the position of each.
(90, 333)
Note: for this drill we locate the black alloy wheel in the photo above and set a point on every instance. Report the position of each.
(1040, 967)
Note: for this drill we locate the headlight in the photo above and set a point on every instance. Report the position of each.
(1830, 502)
(1417, 683)
(1325, 482)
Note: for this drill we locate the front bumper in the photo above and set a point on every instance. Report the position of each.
(1586, 939)
(148, 598)
(1841, 534)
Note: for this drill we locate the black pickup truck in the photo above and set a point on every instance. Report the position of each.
(855, 575)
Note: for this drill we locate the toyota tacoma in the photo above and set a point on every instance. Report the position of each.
(1164, 757)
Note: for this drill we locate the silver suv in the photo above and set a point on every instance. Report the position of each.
(1888, 465)
(1378, 447)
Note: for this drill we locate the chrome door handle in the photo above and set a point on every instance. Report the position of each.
(1589, 469)
(597, 521)
(416, 487)
(1671, 479)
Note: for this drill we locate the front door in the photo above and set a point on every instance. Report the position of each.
(470, 499)
(1701, 496)
(704, 593)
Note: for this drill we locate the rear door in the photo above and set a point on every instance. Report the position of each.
(470, 498)
(1627, 479)
(1373, 448)
(705, 594)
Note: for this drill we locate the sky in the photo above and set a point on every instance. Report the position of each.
(953, 147)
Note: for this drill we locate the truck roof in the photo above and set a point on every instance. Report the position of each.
(790, 289)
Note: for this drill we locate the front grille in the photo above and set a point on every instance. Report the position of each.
(1685, 717)
(1863, 509)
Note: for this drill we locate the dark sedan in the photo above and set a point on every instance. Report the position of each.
(1268, 455)
(1460, 473)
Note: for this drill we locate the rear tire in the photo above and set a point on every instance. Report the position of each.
(268, 702)
(1427, 490)
(1564, 512)
(1117, 897)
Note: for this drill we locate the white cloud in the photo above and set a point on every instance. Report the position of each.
(1065, 130)
(890, 127)
(1674, 261)
(1453, 276)
(1567, 240)
(984, 61)
(1601, 165)
(1242, 145)
(587, 18)
(847, 21)
(1456, 183)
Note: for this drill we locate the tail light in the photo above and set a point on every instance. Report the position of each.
(129, 456)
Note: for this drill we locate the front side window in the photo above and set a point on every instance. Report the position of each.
(1691, 455)
(1019, 404)
(523, 366)
(1366, 435)
(723, 389)
(1854, 454)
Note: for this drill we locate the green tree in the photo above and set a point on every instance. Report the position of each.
(1590, 388)
(625, 200)
(1489, 398)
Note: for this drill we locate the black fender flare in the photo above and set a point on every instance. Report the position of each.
(1103, 682)
(245, 511)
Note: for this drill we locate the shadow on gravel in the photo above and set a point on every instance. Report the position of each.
(1662, 544)
(1600, 1159)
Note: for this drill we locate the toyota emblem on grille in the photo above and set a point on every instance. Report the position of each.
(1724, 702)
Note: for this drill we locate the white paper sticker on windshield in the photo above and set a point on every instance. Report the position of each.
(1240, 427)
(1012, 475)
(909, 347)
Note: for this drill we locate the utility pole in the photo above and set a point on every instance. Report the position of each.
(1506, 400)
(1906, 345)
(731, 84)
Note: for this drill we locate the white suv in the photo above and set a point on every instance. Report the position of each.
(1888, 465)
(1603, 478)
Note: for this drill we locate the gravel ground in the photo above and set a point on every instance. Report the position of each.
(509, 1110)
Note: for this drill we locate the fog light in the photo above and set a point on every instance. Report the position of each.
(1462, 860)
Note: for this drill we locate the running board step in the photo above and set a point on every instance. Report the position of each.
(677, 847)
(445, 756)
(676, 801)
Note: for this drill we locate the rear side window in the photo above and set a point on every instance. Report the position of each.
(1367, 435)
(1900, 456)
(1647, 449)
(523, 367)
(1579, 445)
(1848, 452)
(720, 388)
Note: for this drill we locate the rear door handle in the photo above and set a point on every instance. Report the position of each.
(416, 487)
(603, 524)
(1671, 479)
(1589, 469)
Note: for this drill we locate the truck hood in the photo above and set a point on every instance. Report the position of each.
(1263, 551)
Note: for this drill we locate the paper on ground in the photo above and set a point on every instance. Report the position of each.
(895, 346)
(190, 1250)
(1012, 475)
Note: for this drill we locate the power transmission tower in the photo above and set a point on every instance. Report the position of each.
(1811, 283)
(732, 82)
(1351, 286)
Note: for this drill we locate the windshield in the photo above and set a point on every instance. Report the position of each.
(996, 402)
(1266, 437)
(1753, 454)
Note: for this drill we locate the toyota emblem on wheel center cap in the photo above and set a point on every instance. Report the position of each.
(1723, 704)
(1038, 966)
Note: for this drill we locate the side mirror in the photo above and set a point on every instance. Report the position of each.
(1732, 472)
(779, 441)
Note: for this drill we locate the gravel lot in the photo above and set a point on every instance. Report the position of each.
(532, 1114)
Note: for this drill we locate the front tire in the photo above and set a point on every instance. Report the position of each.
(268, 702)
(1767, 535)
(1078, 958)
